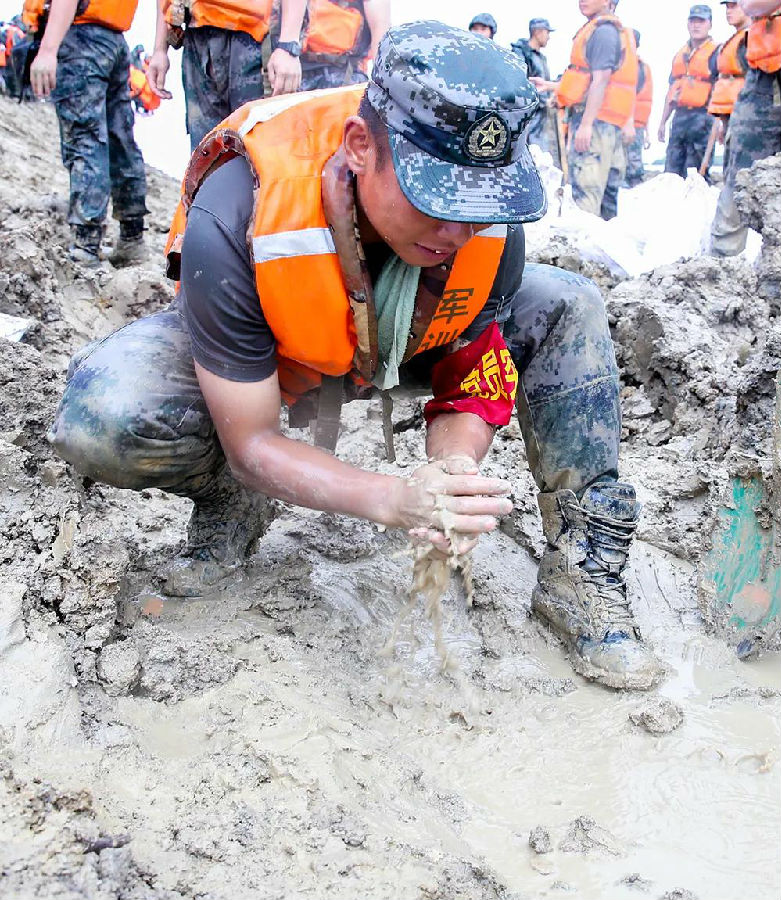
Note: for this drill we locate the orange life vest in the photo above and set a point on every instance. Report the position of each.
(141, 91)
(333, 28)
(692, 80)
(250, 16)
(645, 98)
(288, 141)
(732, 77)
(114, 14)
(620, 94)
(764, 43)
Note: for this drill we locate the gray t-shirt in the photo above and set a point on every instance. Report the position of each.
(229, 333)
(603, 48)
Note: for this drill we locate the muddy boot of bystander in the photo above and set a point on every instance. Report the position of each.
(85, 245)
(130, 247)
(223, 527)
(581, 591)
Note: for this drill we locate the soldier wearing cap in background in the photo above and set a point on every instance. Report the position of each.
(755, 123)
(336, 242)
(691, 81)
(598, 88)
(635, 170)
(483, 24)
(542, 129)
(223, 48)
(340, 38)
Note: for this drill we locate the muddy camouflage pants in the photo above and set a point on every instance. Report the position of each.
(316, 76)
(755, 133)
(597, 174)
(688, 142)
(221, 71)
(132, 414)
(92, 99)
(635, 171)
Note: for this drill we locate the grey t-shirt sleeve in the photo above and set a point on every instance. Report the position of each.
(603, 50)
(506, 284)
(228, 331)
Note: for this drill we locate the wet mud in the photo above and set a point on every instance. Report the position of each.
(255, 743)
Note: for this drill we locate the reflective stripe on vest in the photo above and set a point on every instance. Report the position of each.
(692, 84)
(764, 43)
(645, 98)
(299, 281)
(620, 93)
(333, 28)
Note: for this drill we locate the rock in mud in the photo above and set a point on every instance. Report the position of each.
(540, 840)
(119, 668)
(658, 716)
(679, 894)
(585, 836)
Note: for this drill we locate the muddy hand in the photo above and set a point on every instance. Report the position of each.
(464, 502)
(43, 73)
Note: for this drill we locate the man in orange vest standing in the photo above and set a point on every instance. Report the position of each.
(691, 81)
(598, 88)
(755, 123)
(352, 240)
(339, 39)
(732, 65)
(83, 64)
(223, 47)
(635, 171)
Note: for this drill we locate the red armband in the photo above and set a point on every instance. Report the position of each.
(480, 378)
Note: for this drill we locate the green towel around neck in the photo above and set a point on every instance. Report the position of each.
(394, 300)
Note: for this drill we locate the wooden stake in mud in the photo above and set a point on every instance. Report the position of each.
(714, 133)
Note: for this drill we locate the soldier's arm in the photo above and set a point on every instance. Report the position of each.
(246, 416)
(759, 7)
(594, 98)
(377, 14)
(43, 72)
(284, 70)
(158, 64)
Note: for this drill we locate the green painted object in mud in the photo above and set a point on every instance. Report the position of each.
(744, 570)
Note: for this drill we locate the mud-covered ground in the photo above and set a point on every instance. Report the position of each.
(254, 744)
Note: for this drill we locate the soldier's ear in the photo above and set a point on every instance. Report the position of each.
(358, 145)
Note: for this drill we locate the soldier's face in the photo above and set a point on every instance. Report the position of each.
(591, 8)
(699, 29)
(482, 29)
(385, 214)
(735, 15)
(542, 35)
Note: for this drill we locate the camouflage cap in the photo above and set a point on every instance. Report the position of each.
(457, 108)
(701, 11)
(535, 24)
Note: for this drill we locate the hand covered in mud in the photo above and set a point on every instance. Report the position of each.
(43, 73)
(449, 498)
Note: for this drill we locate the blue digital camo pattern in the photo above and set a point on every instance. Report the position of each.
(457, 105)
(133, 415)
(221, 71)
(92, 99)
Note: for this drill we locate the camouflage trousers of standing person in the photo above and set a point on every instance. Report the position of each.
(92, 99)
(132, 413)
(316, 76)
(221, 71)
(755, 133)
(688, 142)
(635, 171)
(597, 174)
(542, 132)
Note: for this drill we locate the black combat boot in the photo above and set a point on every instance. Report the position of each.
(85, 245)
(130, 248)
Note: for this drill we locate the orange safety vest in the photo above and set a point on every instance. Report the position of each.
(288, 141)
(114, 14)
(333, 28)
(764, 43)
(250, 16)
(645, 98)
(692, 80)
(140, 90)
(620, 94)
(732, 77)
